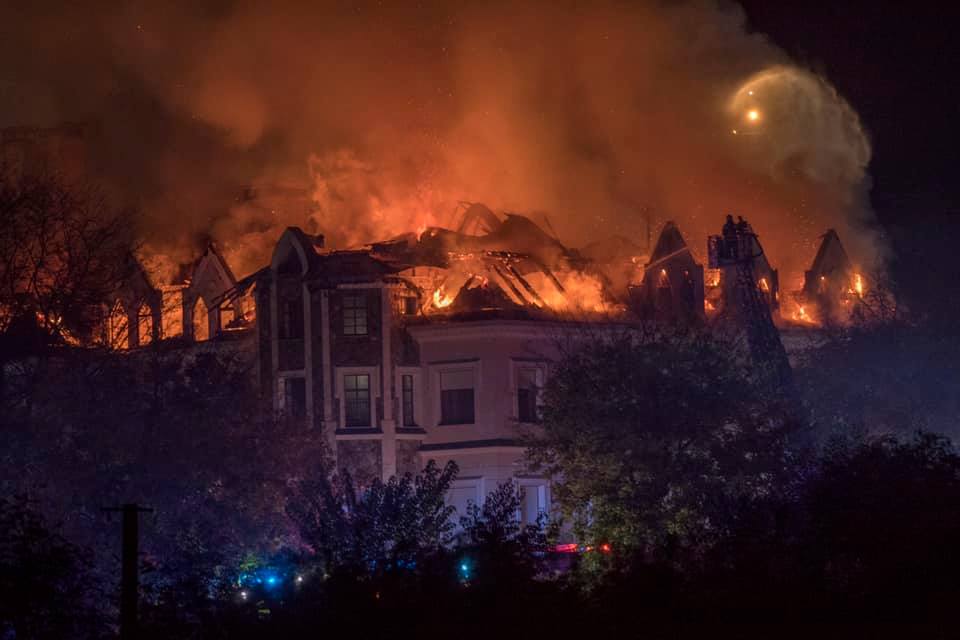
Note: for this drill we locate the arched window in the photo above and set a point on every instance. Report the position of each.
(145, 324)
(118, 328)
(201, 321)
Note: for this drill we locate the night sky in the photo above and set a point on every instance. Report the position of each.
(194, 113)
(896, 63)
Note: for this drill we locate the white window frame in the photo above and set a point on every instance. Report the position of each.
(542, 487)
(541, 376)
(471, 482)
(374, 373)
(449, 367)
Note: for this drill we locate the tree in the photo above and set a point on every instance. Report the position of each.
(45, 586)
(388, 526)
(653, 439)
(64, 250)
(893, 377)
(870, 535)
(179, 429)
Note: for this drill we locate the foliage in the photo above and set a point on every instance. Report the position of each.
(63, 251)
(45, 588)
(174, 428)
(653, 440)
(386, 527)
(377, 573)
(493, 537)
(893, 377)
(870, 536)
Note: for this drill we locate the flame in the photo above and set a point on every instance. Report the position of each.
(582, 292)
(858, 284)
(441, 299)
(804, 314)
(711, 278)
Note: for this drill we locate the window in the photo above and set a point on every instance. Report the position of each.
(228, 316)
(201, 321)
(534, 502)
(295, 397)
(407, 401)
(356, 398)
(354, 314)
(464, 492)
(527, 395)
(456, 397)
(291, 318)
(145, 325)
(118, 333)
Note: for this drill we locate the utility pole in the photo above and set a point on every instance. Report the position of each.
(130, 567)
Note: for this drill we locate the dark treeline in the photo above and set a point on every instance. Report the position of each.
(715, 511)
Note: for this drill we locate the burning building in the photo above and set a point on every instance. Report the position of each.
(672, 286)
(832, 286)
(434, 344)
(430, 345)
(202, 300)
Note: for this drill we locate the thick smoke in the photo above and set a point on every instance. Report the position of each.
(361, 121)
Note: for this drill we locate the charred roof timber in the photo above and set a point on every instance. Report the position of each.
(502, 264)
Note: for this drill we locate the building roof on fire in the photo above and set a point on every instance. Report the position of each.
(669, 244)
(831, 258)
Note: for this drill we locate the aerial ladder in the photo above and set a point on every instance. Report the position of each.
(734, 253)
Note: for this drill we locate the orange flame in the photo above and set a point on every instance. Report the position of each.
(441, 299)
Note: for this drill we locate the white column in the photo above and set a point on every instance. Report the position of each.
(308, 353)
(328, 423)
(388, 450)
(274, 339)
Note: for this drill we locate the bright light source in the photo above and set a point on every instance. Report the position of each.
(243, 594)
(299, 578)
(753, 115)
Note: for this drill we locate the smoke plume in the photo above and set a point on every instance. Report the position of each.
(361, 121)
